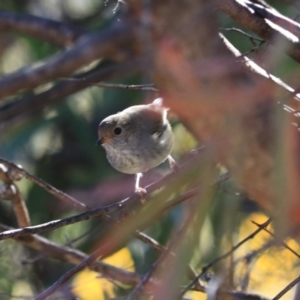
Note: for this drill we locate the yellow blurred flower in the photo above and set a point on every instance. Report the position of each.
(262, 267)
(196, 295)
(88, 285)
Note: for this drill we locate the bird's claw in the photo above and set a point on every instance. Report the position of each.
(173, 164)
(141, 193)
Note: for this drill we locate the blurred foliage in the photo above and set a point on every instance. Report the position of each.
(58, 145)
(16, 277)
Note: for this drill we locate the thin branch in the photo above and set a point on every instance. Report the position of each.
(72, 272)
(135, 294)
(269, 13)
(287, 288)
(13, 194)
(149, 241)
(281, 242)
(61, 222)
(85, 263)
(49, 188)
(31, 241)
(251, 37)
(47, 30)
(225, 255)
(20, 209)
(97, 212)
(251, 65)
(157, 246)
(66, 198)
(136, 87)
(250, 16)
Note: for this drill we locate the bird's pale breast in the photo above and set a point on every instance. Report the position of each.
(142, 155)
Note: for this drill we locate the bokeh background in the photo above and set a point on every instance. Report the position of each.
(57, 144)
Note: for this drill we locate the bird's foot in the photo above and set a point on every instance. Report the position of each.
(173, 164)
(141, 193)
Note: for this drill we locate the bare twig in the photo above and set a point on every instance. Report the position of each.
(251, 37)
(227, 254)
(168, 252)
(19, 206)
(20, 209)
(139, 287)
(85, 263)
(271, 14)
(149, 241)
(97, 212)
(137, 87)
(287, 288)
(251, 17)
(49, 188)
(255, 67)
(281, 242)
(61, 222)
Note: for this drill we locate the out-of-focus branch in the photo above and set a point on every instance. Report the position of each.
(74, 202)
(113, 240)
(241, 132)
(256, 68)
(47, 30)
(49, 188)
(269, 13)
(74, 256)
(10, 191)
(97, 212)
(291, 107)
(107, 43)
(87, 262)
(19, 110)
(265, 22)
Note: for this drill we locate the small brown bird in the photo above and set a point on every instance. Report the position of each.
(137, 139)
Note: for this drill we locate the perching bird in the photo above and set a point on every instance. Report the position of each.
(137, 139)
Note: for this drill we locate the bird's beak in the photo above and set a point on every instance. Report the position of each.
(100, 141)
(103, 140)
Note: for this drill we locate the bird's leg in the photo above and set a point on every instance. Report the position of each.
(141, 192)
(173, 164)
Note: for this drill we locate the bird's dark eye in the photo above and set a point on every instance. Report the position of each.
(117, 130)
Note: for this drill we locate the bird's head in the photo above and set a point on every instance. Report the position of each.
(111, 129)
